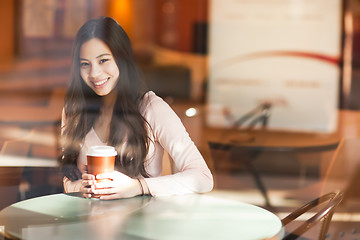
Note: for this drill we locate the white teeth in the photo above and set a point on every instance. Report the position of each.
(101, 82)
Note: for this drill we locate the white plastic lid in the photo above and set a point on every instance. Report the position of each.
(102, 151)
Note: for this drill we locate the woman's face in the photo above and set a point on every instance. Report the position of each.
(98, 68)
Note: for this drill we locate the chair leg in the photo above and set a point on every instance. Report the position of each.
(325, 226)
(259, 183)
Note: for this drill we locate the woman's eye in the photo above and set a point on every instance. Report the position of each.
(103, 60)
(84, 64)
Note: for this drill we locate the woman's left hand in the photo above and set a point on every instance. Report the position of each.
(121, 186)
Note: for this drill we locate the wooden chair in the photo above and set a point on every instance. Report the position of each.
(328, 204)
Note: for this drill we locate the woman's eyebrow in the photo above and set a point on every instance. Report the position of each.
(104, 54)
(100, 56)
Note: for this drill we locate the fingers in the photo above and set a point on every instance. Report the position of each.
(106, 183)
(109, 197)
(86, 195)
(87, 185)
(87, 192)
(108, 186)
(110, 175)
(91, 188)
(108, 191)
(88, 176)
(116, 177)
(104, 191)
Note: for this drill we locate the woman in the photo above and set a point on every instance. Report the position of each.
(106, 104)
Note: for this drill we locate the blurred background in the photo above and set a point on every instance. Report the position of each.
(292, 66)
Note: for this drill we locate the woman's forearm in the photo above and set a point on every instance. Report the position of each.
(191, 181)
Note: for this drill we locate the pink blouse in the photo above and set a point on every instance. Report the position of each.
(192, 176)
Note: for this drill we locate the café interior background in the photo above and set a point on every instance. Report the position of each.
(170, 40)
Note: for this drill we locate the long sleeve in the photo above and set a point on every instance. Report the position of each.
(193, 175)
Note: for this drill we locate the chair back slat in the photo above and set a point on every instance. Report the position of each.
(323, 215)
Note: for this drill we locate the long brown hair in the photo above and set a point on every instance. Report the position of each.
(82, 104)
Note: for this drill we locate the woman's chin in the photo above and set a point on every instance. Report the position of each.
(101, 92)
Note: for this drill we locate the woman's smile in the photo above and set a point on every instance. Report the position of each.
(100, 83)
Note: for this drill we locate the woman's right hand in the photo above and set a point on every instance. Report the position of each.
(87, 185)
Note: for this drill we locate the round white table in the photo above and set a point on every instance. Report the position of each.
(193, 216)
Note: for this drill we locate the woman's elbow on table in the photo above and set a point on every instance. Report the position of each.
(208, 183)
(202, 182)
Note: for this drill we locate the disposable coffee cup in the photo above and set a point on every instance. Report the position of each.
(101, 159)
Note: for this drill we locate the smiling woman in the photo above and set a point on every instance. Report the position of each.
(107, 104)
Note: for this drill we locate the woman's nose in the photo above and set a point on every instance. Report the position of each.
(95, 71)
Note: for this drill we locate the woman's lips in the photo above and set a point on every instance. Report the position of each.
(101, 83)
